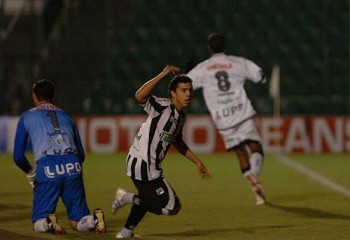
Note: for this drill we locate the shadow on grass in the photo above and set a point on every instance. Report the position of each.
(13, 212)
(214, 232)
(11, 235)
(4, 235)
(5, 207)
(309, 212)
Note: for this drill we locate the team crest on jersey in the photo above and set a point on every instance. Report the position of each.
(172, 119)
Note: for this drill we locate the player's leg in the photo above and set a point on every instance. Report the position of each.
(256, 158)
(78, 212)
(46, 194)
(251, 140)
(74, 199)
(253, 145)
(255, 153)
(49, 224)
(242, 156)
(90, 222)
(156, 196)
(256, 187)
(135, 216)
(233, 138)
(250, 169)
(121, 198)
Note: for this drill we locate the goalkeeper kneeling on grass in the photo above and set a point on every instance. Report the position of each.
(162, 128)
(59, 156)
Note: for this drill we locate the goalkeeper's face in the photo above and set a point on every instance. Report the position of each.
(182, 95)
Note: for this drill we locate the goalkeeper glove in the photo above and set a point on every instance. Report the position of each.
(31, 177)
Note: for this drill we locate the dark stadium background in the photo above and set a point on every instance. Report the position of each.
(98, 52)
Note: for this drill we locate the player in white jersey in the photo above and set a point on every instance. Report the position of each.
(162, 129)
(222, 78)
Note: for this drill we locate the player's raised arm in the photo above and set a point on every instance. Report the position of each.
(145, 90)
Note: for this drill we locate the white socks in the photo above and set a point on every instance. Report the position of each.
(256, 163)
(86, 223)
(125, 233)
(129, 198)
(41, 225)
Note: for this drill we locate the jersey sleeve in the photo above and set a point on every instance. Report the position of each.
(254, 72)
(78, 143)
(155, 104)
(180, 145)
(196, 75)
(21, 139)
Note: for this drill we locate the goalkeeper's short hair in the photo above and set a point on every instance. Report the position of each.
(44, 90)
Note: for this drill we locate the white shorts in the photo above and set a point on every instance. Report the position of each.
(247, 130)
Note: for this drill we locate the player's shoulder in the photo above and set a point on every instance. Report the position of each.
(202, 64)
(235, 58)
(29, 112)
(162, 100)
(153, 99)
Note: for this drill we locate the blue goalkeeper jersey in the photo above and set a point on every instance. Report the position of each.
(51, 131)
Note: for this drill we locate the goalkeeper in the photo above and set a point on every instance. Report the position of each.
(59, 156)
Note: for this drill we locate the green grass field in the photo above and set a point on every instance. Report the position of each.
(220, 208)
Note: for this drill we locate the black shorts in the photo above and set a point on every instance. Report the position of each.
(157, 196)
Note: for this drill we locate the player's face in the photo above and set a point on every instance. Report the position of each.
(182, 95)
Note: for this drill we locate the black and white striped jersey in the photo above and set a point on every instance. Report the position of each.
(162, 128)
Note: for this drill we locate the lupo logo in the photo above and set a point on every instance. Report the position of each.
(62, 169)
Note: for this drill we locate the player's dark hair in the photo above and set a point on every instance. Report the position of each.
(44, 90)
(174, 82)
(216, 42)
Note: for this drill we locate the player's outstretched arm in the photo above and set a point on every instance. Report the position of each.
(182, 147)
(145, 90)
(203, 171)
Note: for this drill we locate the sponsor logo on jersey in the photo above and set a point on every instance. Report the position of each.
(167, 137)
(225, 101)
(228, 111)
(62, 169)
(65, 151)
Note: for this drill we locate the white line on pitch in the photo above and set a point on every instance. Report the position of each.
(312, 174)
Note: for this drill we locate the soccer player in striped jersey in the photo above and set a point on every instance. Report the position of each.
(222, 78)
(59, 156)
(162, 129)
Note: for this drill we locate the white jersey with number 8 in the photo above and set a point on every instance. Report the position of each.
(222, 78)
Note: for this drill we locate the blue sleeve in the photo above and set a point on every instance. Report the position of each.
(20, 147)
(78, 143)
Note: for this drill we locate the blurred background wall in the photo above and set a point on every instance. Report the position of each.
(98, 52)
